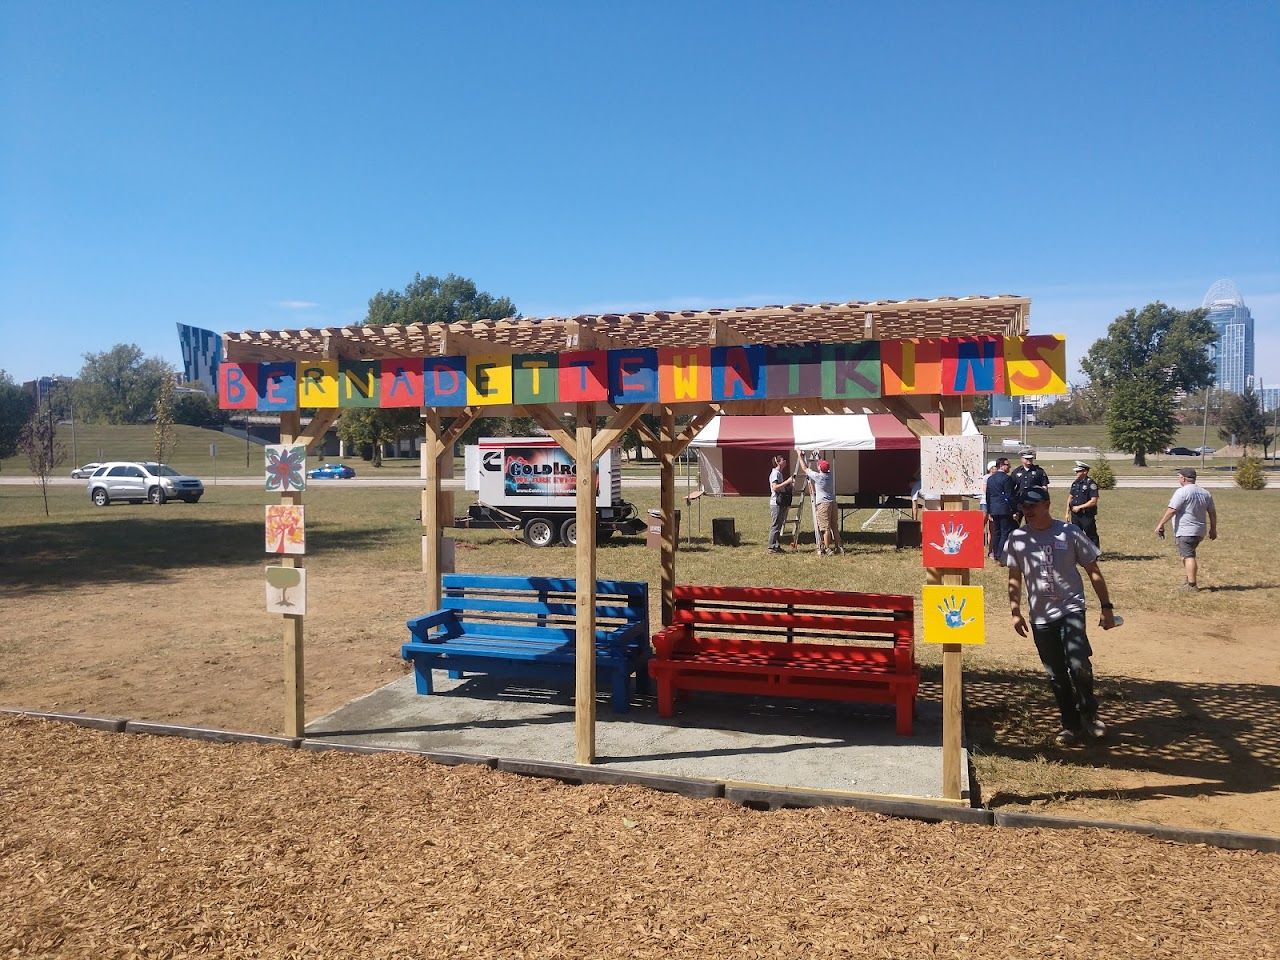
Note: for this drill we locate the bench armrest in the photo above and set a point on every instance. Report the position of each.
(422, 626)
(665, 640)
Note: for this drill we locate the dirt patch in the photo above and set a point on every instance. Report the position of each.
(246, 851)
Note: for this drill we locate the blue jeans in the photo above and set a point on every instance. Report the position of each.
(1064, 651)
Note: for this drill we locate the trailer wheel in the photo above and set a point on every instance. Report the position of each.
(539, 532)
(569, 533)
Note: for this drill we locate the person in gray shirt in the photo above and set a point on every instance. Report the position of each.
(824, 507)
(1047, 555)
(1194, 515)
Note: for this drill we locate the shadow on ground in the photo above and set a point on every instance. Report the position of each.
(51, 556)
(1224, 736)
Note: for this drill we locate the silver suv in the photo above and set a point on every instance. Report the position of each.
(137, 481)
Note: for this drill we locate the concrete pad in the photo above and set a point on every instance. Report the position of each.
(805, 744)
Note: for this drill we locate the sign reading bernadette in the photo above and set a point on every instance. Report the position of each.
(952, 366)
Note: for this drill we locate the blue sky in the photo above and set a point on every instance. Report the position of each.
(247, 166)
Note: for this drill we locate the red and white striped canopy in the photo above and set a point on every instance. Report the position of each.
(874, 431)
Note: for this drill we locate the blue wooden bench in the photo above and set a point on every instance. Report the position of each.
(526, 627)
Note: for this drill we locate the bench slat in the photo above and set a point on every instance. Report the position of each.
(887, 629)
(784, 596)
(536, 609)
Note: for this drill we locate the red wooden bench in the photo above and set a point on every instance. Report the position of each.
(813, 644)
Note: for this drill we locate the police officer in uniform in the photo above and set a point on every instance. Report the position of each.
(1028, 475)
(1082, 505)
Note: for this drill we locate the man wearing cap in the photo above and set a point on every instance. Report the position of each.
(1029, 475)
(1000, 506)
(824, 507)
(1194, 515)
(1082, 507)
(1047, 555)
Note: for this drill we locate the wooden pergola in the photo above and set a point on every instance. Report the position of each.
(587, 430)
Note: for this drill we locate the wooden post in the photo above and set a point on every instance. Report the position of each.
(431, 507)
(585, 650)
(951, 423)
(295, 719)
(667, 474)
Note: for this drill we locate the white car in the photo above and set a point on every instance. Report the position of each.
(85, 472)
(137, 481)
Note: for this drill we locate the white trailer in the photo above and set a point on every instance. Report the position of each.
(529, 485)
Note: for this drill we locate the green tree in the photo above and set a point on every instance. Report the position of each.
(426, 300)
(119, 385)
(1164, 345)
(198, 409)
(1243, 422)
(15, 411)
(1140, 417)
(432, 300)
(39, 441)
(1249, 474)
(165, 439)
(981, 409)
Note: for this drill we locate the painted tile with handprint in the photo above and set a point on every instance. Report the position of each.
(952, 539)
(953, 614)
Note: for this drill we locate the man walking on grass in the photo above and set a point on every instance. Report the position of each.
(1193, 515)
(1047, 555)
(1000, 506)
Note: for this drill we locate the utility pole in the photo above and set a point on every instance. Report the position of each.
(1204, 436)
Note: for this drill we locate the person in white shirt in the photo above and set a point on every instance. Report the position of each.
(1193, 515)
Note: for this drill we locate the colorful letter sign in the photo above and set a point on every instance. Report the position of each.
(866, 369)
(952, 539)
(953, 614)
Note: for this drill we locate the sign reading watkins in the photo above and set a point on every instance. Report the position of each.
(950, 366)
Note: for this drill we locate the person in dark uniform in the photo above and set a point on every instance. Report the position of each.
(1025, 477)
(1082, 506)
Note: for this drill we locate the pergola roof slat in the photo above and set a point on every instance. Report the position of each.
(1002, 315)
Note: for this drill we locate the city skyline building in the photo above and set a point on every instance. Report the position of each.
(1233, 353)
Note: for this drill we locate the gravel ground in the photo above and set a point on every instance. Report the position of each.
(128, 846)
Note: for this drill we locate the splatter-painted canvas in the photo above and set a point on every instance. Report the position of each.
(287, 590)
(952, 538)
(286, 467)
(286, 528)
(951, 466)
(953, 614)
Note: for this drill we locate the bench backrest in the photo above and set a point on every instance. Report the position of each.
(790, 616)
(547, 606)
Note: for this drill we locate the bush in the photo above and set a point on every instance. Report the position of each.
(1103, 475)
(1249, 475)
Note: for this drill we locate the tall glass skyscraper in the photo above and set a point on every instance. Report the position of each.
(1233, 352)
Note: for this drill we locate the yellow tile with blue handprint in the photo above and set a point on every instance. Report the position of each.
(953, 614)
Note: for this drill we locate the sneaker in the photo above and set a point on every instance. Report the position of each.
(1095, 728)
(1067, 738)
(1189, 588)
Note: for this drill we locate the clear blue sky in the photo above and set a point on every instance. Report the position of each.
(265, 165)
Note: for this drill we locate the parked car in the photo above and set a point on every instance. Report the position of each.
(1207, 451)
(138, 481)
(331, 471)
(1182, 452)
(85, 472)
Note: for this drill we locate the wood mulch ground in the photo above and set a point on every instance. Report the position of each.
(127, 846)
